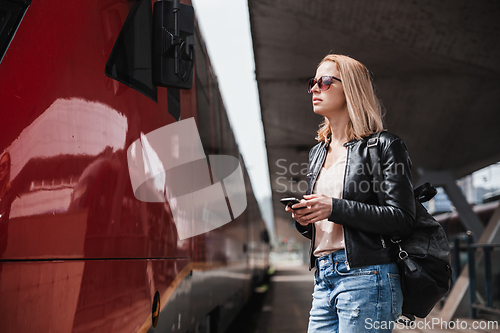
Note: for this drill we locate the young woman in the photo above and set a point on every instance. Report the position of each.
(357, 285)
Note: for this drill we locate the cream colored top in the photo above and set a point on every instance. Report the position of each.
(330, 182)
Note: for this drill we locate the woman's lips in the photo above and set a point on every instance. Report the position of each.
(316, 100)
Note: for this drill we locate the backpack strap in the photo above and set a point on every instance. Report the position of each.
(425, 192)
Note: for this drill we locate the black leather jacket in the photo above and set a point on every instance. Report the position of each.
(367, 225)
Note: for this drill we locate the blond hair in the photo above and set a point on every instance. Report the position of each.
(365, 111)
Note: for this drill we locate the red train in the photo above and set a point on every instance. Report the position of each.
(78, 251)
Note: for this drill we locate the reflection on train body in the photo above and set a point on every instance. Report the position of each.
(78, 251)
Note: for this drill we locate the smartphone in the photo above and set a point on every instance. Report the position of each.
(289, 202)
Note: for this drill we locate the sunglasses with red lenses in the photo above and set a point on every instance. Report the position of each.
(323, 82)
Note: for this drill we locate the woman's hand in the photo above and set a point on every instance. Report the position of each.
(314, 208)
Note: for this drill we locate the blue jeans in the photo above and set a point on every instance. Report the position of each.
(365, 299)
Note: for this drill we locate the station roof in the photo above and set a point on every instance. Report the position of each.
(436, 68)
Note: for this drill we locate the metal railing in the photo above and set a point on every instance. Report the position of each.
(471, 253)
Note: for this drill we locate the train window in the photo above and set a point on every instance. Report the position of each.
(11, 14)
(130, 59)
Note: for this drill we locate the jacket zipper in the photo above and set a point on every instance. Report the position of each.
(343, 195)
(311, 248)
(383, 241)
(346, 258)
(313, 238)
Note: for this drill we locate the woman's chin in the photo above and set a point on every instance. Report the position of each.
(318, 111)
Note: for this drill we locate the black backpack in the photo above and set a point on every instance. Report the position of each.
(423, 256)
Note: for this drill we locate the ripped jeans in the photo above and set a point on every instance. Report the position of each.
(365, 299)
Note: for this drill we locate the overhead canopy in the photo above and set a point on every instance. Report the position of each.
(436, 68)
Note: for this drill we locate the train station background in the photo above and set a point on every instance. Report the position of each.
(83, 93)
(435, 67)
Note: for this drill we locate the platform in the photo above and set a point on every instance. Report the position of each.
(288, 300)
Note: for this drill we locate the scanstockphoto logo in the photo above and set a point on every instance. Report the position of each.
(288, 176)
(169, 165)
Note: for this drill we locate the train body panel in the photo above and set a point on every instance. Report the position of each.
(78, 251)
